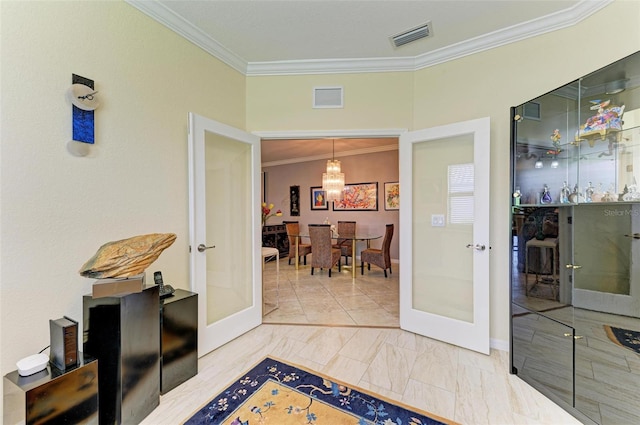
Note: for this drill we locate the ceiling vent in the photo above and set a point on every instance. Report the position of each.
(406, 37)
(328, 97)
(531, 111)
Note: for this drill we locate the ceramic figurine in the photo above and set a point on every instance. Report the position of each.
(516, 196)
(564, 194)
(576, 196)
(546, 196)
(589, 193)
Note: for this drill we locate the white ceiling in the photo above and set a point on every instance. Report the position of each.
(270, 37)
(259, 37)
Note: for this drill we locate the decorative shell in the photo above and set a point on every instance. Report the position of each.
(126, 257)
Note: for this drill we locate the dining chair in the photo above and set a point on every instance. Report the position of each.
(348, 230)
(379, 257)
(324, 255)
(293, 228)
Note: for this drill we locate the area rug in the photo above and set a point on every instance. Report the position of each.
(624, 337)
(277, 393)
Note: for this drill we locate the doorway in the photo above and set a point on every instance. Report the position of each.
(367, 300)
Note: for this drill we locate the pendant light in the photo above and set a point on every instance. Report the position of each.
(333, 179)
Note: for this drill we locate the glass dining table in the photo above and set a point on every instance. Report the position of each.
(355, 238)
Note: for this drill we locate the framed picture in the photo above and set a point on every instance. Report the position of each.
(294, 201)
(318, 199)
(392, 196)
(358, 197)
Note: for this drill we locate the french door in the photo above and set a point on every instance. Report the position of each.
(224, 230)
(444, 233)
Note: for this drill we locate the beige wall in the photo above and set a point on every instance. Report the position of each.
(378, 167)
(58, 209)
(377, 100)
(484, 84)
(488, 84)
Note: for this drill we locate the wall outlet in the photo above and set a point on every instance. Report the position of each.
(437, 220)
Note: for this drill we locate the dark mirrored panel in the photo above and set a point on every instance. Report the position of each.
(575, 243)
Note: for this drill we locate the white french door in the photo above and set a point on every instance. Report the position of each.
(444, 233)
(224, 230)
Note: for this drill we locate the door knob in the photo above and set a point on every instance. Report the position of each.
(476, 247)
(568, 335)
(202, 248)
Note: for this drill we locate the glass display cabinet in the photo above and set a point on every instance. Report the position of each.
(575, 245)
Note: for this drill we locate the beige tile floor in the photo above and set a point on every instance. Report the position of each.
(455, 383)
(448, 381)
(367, 300)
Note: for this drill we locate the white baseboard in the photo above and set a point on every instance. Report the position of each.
(499, 344)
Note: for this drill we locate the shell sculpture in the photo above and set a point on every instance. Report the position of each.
(126, 257)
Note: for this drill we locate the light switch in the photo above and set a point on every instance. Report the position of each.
(437, 220)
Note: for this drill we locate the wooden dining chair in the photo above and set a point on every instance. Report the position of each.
(293, 228)
(324, 255)
(379, 257)
(348, 230)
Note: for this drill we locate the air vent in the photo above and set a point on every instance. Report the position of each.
(406, 37)
(328, 97)
(531, 111)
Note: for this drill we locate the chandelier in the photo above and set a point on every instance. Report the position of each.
(333, 179)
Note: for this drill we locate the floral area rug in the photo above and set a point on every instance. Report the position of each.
(624, 337)
(277, 393)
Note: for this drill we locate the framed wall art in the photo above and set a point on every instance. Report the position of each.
(392, 196)
(319, 199)
(294, 201)
(358, 197)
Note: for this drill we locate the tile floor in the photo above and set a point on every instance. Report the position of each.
(455, 383)
(369, 300)
(448, 381)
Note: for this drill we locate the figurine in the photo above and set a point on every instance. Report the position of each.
(564, 194)
(546, 196)
(575, 196)
(516, 196)
(589, 193)
(555, 139)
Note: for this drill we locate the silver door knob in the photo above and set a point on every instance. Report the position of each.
(202, 248)
(477, 247)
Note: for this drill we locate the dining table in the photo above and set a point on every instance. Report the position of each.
(357, 237)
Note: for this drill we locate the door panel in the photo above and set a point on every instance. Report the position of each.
(444, 282)
(224, 199)
(607, 255)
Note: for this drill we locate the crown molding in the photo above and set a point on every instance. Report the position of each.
(328, 134)
(529, 29)
(543, 25)
(168, 18)
(375, 149)
(331, 66)
(325, 134)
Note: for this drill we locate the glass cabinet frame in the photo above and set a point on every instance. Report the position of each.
(575, 243)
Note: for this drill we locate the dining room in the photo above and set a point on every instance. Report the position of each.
(292, 180)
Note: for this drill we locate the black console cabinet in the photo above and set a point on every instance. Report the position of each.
(52, 395)
(179, 344)
(123, 333)
(275, 236)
